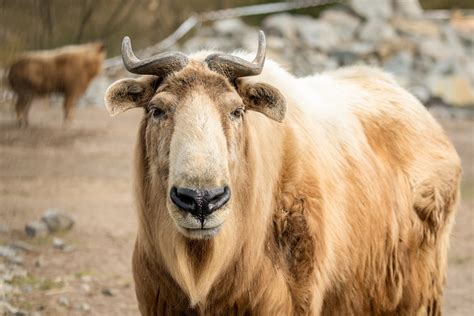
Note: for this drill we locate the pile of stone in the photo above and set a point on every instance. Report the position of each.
(12, 257)
(434, 59)
(51, 222)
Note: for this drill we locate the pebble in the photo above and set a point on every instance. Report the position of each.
(27, 289)
(36, 229)
(82, 306)
(10, 255)
(7, 252)
(58, 243)
(39, 262)
(11, 310)
(22, 245)
(108, 292)
(57, 221)
(86, 287)
(63, 301)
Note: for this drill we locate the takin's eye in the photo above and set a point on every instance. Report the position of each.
(237, 113)
(157, 113)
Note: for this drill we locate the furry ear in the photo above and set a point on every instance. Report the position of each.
(265, 99)
(125, 94)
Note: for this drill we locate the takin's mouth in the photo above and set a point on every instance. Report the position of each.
(200, 233)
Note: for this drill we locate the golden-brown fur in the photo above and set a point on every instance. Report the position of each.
(67, 70)
(344, 208)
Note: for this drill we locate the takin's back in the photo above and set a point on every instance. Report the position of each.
(390, 184)
(66, 69)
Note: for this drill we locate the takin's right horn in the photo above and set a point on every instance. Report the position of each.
(158, 65)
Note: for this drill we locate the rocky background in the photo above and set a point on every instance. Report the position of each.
(433, 58)
(430, 55)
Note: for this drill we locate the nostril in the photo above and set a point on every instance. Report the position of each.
(218, 198)
(183, 199)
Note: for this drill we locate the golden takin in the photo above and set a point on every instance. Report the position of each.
(260, 193)
(67, 70)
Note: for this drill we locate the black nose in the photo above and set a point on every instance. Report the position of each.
(200, 203)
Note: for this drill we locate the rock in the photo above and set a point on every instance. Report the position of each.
(276, 43)
(416, 28)
(58, 243)
(463, 26)
(19, 272)
(57, 221)
(454, 89)
(22, 245)
(9, 310)
(421, 93)
(86, 278)
(82, 306)
(350, 53)
(409, 8)
(386, 49)
(446, 112)
(344, 23)
(230, 27)
(27, 289)
(7, 252)
(370, 9)
(455, 46)
(400, 65)
(39, 262)
(317, 34)
(376, 30)
(433, 48)
(63, 301)
(68, 248)
(85, 287)
(10, 255)
(108, 292)
(37, 229)
(281, 25)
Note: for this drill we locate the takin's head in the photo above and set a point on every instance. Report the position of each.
(194, 128)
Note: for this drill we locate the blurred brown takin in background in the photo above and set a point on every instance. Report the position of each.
(67, 70)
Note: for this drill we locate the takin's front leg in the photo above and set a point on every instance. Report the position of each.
(22, 107)
(435, 199)
(68, 106)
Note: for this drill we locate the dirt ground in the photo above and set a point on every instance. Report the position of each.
(85, 170)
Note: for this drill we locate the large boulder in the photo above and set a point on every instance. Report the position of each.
(317, 34)
(377, 30)
(416, 28)
(343, 22)
(455, 89)
(370, 9)
(281, 25)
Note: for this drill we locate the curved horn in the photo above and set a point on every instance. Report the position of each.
(158, 65)
(235, 67)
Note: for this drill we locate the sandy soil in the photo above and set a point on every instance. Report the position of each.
(85, 169)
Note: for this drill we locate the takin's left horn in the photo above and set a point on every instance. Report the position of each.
(235, 67)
